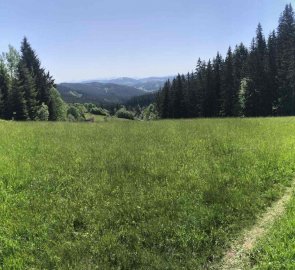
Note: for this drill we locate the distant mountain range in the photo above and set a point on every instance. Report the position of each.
(99, 93)
(111, 91)
(149, 84)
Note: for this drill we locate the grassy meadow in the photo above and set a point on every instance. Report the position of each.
(136, 195)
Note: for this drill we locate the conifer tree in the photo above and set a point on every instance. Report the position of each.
(217, 83)
(4, 91)
(209, 105)
(18, 103)
(200, 84)
(228, 90)
(240, 56)
(43, 81)
(286, 62)
(27, 86)
(272, 71)
(177, 97)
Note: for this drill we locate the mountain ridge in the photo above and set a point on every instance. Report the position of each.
(96, 92)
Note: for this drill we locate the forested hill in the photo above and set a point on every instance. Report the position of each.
(99, 93)
(255, 81)
(149, 84)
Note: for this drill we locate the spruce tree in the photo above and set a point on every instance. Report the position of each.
(200, 84)
(259, 99)
(272, 70)
(18, 102)
(228, 88)
(286, 62)
(43, 81)
(217, 83)
(252, 94)
(4, 91)
(210, 99)
(177, 97)
(240, 56)
(163, 100)
(27, 86)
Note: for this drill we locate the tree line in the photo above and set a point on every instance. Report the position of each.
(26, 90)
(255, 81)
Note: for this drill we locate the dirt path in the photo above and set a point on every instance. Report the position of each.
(237, 256)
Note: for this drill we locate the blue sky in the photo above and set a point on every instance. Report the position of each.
(87, 39)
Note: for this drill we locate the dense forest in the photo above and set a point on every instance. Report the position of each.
(259, 81)
(26, 90)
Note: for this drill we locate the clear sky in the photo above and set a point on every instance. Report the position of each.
(88, 39)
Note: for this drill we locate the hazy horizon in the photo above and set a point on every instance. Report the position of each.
(80, 41)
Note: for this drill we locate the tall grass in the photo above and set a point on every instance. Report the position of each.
(136, 195)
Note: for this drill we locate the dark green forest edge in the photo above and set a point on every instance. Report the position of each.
(259, 81)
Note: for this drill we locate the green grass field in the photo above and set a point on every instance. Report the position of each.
(136, 195)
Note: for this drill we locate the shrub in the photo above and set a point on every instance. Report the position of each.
(74, 112)
(99, 111)
(123, 113)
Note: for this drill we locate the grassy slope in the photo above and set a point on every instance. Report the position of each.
(123, 195)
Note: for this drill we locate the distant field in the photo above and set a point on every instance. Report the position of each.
(136, 195)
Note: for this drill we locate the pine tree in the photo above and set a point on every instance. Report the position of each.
(43, 81)
(259, 99)
(163, 100)
(240, 56)
(18, 103)
(272, 70)
(4, 91)
(260, 78)
(27, 86)
(177, 97)
(228, 87)
(286, 62)
(217, 83)
(200, 84)
(251, 92)
(209, 105)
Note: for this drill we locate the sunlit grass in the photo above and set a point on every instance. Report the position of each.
(136, 195)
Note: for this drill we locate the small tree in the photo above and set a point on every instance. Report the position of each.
(42, 113)
(150, 113)
(56, 106)
(123, 113)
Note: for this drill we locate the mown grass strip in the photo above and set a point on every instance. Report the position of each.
(238, 256)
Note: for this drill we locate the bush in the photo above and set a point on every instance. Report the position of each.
(123, 113)
(99, 111)
(74, 112)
